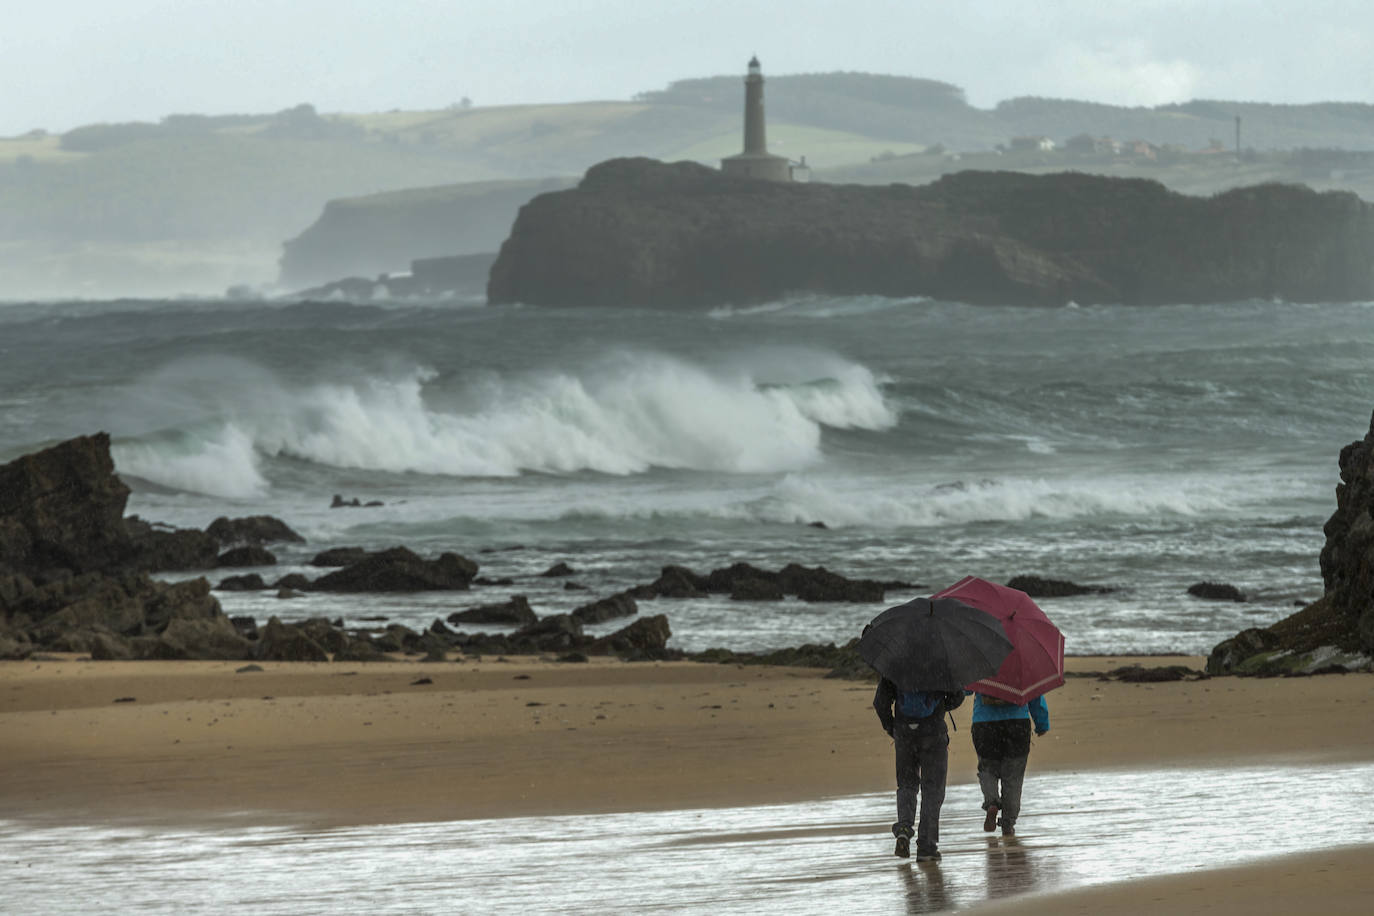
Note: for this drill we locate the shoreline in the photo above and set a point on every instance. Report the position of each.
(316, 746)
(343, 744)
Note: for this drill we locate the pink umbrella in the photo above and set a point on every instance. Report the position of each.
(1036, 662)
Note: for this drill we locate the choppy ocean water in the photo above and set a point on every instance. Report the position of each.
(1140, 448)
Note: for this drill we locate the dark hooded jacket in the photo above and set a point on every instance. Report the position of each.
(888, 701)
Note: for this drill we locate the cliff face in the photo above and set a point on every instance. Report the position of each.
(641, 232)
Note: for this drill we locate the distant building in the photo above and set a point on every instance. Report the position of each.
(1142, 149)
(1043, 144)
(756, 161)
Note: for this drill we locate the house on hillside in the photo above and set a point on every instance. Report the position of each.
(1041, 144)
(1142, 149)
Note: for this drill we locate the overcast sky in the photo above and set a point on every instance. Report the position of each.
(70, 62)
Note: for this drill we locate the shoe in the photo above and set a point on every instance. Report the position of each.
(927, 855)
(903, 848)
(1008, 830)
(990, 821)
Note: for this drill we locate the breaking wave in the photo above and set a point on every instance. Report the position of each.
(623, 414)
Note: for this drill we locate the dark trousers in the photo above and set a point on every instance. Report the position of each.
(1003, 748)
(922, 765)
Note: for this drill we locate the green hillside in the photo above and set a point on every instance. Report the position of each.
(191, 199)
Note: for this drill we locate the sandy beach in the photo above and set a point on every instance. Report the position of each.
(338, 744)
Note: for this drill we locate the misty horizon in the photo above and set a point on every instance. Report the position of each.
(84, 62)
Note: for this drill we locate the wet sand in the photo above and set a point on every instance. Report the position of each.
(323, 746)
(354, 744)
(1332, 882)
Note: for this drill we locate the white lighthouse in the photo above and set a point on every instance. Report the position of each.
(756, 161)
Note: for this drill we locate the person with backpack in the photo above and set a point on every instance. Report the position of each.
(915, 720)
(1001, 737)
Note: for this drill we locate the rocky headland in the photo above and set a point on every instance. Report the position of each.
(638, 232)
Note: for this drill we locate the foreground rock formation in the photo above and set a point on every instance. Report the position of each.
(1336, 632)
(74, 577)
(639, 232)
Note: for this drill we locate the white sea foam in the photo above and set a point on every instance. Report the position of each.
(623, 414)
(800, 497)
(223, 464)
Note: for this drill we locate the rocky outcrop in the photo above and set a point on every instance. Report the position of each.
(639, 232)
(1216, 591)
(744, 581)
(619, 605)
(162, 548)
(248, 555)
(1040, 587)
(646, 638)
(252, 529)
(339, 556)
(1336, 632)
(400, 570)
(281, 642)
(62, 511)
(516, 611)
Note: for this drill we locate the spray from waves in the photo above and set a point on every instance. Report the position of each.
(623, 414)
(222, 463)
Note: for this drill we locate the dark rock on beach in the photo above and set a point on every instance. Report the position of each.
(400, 570)
(554, 633)
(1216, 591)
(756, 590)
(619, 605)
(1038, 587)
(1337, 630)
(280, 642)
(820, 584)
(340, 503)
(249, 583)
(558, 570)
(250, 555)
(162, 548)
(646, 233)
(676, 582)
(253, 529)
(646, 638)
(843, 661)
(62, 510)
(515, 611)
(746, 581)
(338, 556)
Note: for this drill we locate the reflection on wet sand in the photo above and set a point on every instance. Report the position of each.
(925, 887)
(827, 856)
(1012, 868)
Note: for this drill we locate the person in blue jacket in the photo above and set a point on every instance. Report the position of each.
(1002, 737)
(915, 720)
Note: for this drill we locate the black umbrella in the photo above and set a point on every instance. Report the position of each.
(934, 644)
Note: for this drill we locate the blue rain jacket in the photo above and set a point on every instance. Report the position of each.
(1036, 710)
